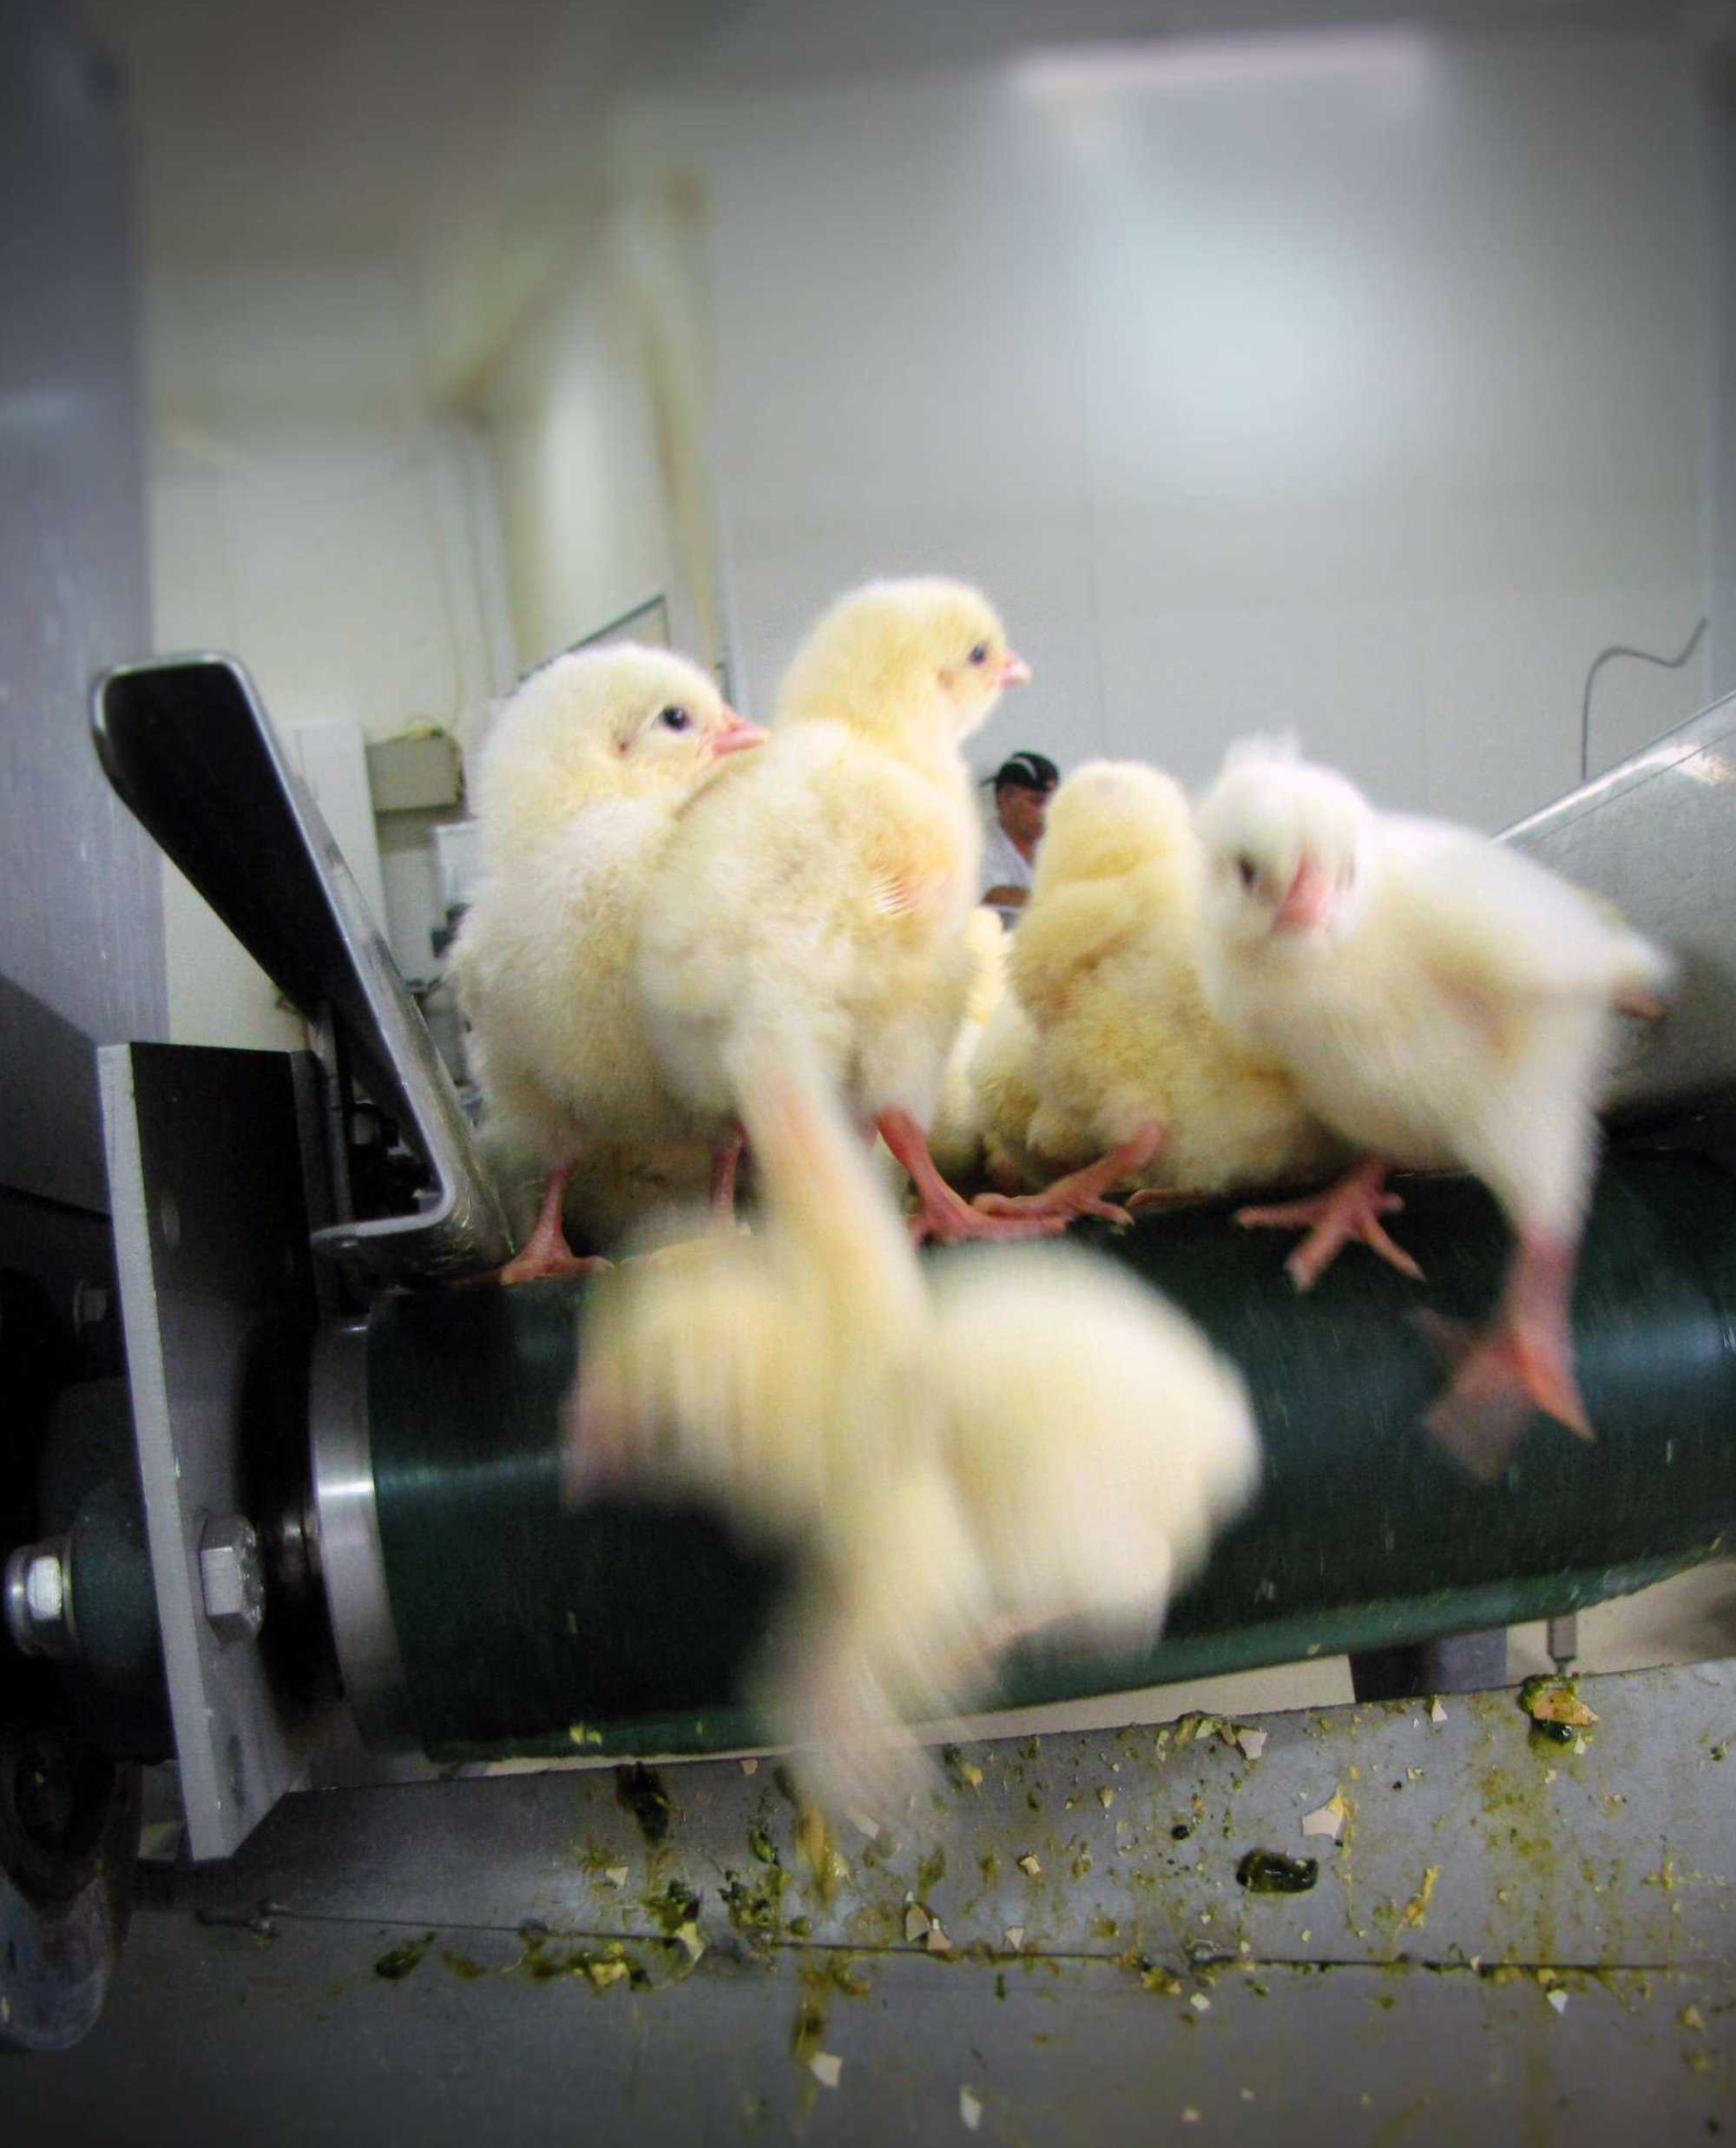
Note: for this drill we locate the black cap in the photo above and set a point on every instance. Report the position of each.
(1029, 772)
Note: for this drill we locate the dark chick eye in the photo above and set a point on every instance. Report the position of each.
(1248, 870)
(980, 654)
(675, 719)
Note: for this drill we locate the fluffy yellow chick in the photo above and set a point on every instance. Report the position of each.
(812, 909)
(1126, 1064)
(578, 787)
(616, 1191)
(1010, 1110)
(1441, 1001)
(954, 1140)
(1015, 1440)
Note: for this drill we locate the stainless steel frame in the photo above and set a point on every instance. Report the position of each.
(1657, 837)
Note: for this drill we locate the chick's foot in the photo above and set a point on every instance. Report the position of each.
(1352, 1209)
(546, 1251)
(1081, 1192)
(1523, 1363)
(943, 1213)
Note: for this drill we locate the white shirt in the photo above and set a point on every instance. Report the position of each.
(1004, 865)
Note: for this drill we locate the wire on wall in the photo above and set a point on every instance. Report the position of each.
(1643, 656)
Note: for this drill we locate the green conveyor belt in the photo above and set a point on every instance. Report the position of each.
(522, 1624)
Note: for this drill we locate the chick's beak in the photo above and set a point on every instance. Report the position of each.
(1013, 672)
(1308, 901)
(737, 734)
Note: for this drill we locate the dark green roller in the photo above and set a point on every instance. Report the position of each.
(522, 1626)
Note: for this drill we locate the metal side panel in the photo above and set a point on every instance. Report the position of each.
(211, 1246)
(1657, 837)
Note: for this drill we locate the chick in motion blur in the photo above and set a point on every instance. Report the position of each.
(1441, 1001)
(812, 912)
(1013, 1440)
(1130, 1079)
(577, 788)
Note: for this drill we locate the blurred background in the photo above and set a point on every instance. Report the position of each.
(1357, 368)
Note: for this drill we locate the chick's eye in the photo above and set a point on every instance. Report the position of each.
(1247, 871)
(675, 719)
(980, 654)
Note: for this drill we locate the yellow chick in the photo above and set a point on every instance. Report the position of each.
(577, 787)
(616, 1191)
(812, 909)
(1011, 1111)
(1125, 1063)
(1442, 1002)
(1017, 1440)
(954, 1140)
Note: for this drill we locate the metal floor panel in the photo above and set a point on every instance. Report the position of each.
(214, 2036)
(1568, 1973)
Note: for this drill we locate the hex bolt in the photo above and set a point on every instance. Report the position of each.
(232, 1578)
(38, 1595)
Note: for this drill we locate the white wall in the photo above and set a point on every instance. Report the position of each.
(312, 516)
(573, 437)
(1351, 385)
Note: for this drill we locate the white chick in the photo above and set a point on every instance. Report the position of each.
(1018, 1440)
(954, 1140)
(1010, 1110)
(1442, 1002)
(812, 910)
(577, 788)
(1127, 1065)
(615, 1192)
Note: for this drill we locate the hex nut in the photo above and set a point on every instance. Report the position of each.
(38, 1599)
(232, 1578)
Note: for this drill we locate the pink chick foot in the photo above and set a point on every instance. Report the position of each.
(1081, 1192)
(725, 1159)
(942, 1213)
(546, 1251)
(1523, 1363)
(1352, 1209)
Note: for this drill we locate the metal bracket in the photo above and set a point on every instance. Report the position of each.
(187, 743)
(218, 1299)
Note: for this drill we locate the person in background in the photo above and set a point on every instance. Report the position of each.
(1022, 785)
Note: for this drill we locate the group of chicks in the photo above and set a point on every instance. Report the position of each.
(693, 933)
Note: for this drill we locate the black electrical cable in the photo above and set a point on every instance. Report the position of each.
(1643, 656)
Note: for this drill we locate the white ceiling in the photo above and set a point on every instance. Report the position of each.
(304, 124)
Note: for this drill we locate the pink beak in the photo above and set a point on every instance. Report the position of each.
(1308, 902)
(737, 734)
(1013, 672)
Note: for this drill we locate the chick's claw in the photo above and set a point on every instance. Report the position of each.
(1062, 1200)
(1523, 1363)
(546, 1251)
(1352, 1209)
(1502, 1376)
(526, 1267)
(954, 1220)
(1082, 1192)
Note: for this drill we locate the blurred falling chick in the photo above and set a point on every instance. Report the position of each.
(1011, 1441)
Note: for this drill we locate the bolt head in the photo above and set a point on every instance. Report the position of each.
(232, 1578)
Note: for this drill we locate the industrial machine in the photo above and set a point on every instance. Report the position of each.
(321, 1503)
